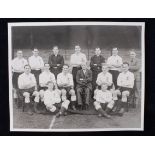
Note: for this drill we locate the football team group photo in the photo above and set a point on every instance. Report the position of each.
(76, 76)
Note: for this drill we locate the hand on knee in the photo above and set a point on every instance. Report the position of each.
(97, 105)
(52, 108)
(125, 94)
(65, 104)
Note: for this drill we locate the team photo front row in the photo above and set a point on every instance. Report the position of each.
(110, 87)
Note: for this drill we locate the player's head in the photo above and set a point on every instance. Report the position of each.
(97, 51)
(77, 48)
(19, 54)
(84, 66)
(132, 54)
(50, 85)
(104, 86)
(46, 67)
(105, 68)
(125, 66)
(27, 69)
(65, 68)
(114, 51)
(35, 52)
(55, 50)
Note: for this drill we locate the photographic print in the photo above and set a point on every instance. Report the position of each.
(76, 76)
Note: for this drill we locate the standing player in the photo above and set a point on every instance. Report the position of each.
(76, 60)
(96, 65)
(84, 86)
(18, 64)
(134, 67)
(114, 62)
(56, 61)
(27, 89)
(52, 100)
(125, 84)
(36, 63)
(66, 85)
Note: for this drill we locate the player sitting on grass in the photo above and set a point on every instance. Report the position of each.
(104, 101)
(52, 100)
(125, 84)
(66, 85)
(27, 89)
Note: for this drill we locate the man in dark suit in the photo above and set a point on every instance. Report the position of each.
(84, 86)
(96, 65)
(56, 61)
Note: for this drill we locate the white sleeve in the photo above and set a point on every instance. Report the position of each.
(119, 80)
(41, 62)
(131, 81)
(59, 80)
(20, 82)
(53, 78)
(71, 60)
(108, 61)
(30, 62)
(33, 80)
(57, 97)
(98, 81)
(46, 98)
(110, 78)
(120, 62)
(40, 79)
(84, 59)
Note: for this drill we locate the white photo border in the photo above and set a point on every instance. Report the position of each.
(142, 24)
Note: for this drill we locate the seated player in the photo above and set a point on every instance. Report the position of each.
(66, 85)
(104, 101)
(27, 89)
(52, 100)
(84, 86)
(44, 78)
(125, 84)
(104, 77)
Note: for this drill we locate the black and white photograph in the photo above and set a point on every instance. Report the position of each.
(76, 76)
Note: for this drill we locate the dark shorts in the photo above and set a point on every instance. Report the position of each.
(36, 74)
(74, 72)
(15, 79)
(109, 87)
(125, 89)
(67, 90)
(43, 88)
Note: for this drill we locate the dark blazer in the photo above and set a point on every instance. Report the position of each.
(98, 60)
(54, 61)
(84, 80)
(134, 67)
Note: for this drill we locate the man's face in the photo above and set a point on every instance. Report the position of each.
(19, 54)
(46, 67)
(50, 86)
(77, 49)
(84, 66)
(104, 87)
(132, 55)
(35, 52)
(55, 50)
(27, 69)
(97, 51)
(65, 69)
(125, 67)
(104, 69)
(114, 52)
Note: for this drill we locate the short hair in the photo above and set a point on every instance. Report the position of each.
(19, 51)
(115, 49)
(27, 65)
(132, 51)
(125, 63)
(35, 49)
(66, 65)
(97, 48)
(77, 45)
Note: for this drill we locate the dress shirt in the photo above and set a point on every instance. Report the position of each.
(18, 64)
(26, 81)
(45, 77)
(126, 79)
(104, 78)
(65, 79)
(78, 59)
(36, 63)
(114, 60)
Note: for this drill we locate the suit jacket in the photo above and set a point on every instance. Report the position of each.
(134, 67)
(96, 60)
(54, 61)
(84, 80)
